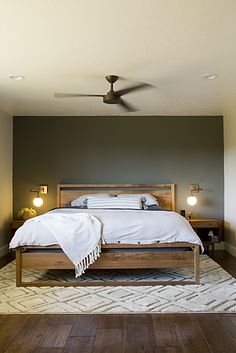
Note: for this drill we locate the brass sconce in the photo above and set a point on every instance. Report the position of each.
(192, 199)
(38, 201)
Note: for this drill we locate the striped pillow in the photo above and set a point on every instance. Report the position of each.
(147, 199)
(117, 203)
(82, 200)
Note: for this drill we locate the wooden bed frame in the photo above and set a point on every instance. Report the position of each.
(123, 257)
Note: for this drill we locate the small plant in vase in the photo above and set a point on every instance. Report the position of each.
(26, 213)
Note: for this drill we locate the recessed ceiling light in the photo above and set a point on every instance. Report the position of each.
(17, 77)
(209, 76)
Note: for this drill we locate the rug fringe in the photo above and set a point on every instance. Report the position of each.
(88, 260)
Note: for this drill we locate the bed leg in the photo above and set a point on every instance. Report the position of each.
(18, 267)
(196, 265)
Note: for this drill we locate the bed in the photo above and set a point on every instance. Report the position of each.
(114, 256)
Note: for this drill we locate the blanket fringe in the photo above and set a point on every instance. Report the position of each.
(88, 260)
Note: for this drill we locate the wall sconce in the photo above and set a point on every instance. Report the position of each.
(192, 199)
(38, 201)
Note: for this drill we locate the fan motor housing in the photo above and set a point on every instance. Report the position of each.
(111, 98)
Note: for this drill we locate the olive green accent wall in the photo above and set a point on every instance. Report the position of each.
(179, 150)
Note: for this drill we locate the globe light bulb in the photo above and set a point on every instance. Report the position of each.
(192, 200)
(38, 201)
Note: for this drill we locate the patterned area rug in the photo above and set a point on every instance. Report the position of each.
(216, 293)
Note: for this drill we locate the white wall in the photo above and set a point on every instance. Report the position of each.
(230, 180)
(5, 179)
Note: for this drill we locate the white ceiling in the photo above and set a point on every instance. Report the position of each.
(70, 45)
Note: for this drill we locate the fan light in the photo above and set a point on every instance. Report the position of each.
(111, 97)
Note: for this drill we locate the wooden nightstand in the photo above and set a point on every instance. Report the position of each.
(14, 225)
(208, 230)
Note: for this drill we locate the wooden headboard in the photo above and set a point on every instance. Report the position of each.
(164, 193)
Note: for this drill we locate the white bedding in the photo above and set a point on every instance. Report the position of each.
(78, 234)
(118, 226)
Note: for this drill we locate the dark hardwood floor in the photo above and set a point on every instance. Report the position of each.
(164, 333)
(227, 261)
(6, 259)
(146, 333)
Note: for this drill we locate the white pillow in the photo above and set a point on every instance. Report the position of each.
(134, 203)
(82, 200)
(147, 199)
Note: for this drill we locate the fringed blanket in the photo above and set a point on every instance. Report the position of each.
(79, 236)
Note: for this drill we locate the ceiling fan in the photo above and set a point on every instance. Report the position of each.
(111, 97)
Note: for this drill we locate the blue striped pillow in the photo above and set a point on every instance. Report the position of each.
(82, 200)
(134, 203)
(147, 199)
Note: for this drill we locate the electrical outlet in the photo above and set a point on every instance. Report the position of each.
(43, 189)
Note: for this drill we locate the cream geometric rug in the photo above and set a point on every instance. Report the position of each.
(216, 293)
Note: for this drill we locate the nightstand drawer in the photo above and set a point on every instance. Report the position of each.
(208, 230)
(204, 224)
(16, 224)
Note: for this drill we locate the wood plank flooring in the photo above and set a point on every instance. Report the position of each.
(226, 261)
(146, 333)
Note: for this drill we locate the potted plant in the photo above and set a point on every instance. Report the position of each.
(26, 213)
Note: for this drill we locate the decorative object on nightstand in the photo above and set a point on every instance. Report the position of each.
(192, 199)
(190, 215)
(26, 213)
(208, 230)
(23, 214)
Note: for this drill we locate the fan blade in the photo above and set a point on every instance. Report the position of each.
(126, 106)
(72, 95)
(127, 90)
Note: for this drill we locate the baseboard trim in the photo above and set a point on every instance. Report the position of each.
(4, 250)
(220, 246)
(230, 249)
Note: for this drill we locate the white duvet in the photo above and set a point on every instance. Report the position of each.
(118, 226)
(78, 234)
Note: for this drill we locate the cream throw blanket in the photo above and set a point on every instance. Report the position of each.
(79, 236)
